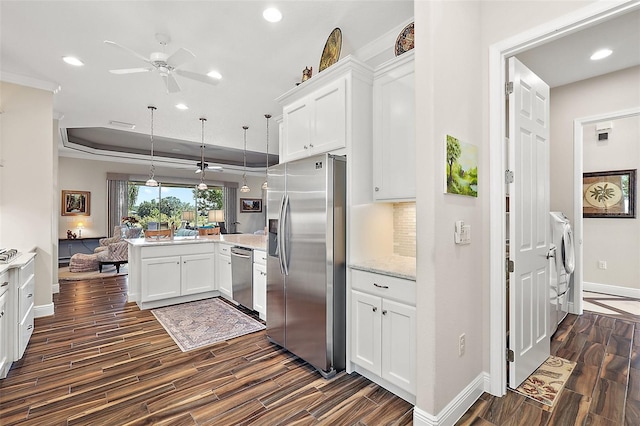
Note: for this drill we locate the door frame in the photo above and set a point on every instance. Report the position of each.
(498, 54)
(576, 306)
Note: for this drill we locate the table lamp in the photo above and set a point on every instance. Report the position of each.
(188, 216)
(217, 216)
(80, 226)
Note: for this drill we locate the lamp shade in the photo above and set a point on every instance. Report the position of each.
(188, 216)
(216, 215)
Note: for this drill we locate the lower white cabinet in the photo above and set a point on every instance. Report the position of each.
(383, 329)
(175, 276)
(26, 286)
(223, 268)
(260, 283)
(197, 274)
(5, 361)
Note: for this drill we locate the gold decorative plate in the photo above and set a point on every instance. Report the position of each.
(404, 42)
(332, 47)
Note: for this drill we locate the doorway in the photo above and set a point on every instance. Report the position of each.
(498, 54)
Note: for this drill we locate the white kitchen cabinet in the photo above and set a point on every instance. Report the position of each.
(161, 276)
(223, 268)
(394, 165)
(318, 114)
(25, 286)
(260, 283)
(197, 273)
(383, 330)
(5, 330)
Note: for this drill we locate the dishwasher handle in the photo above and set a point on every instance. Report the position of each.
(241, 252)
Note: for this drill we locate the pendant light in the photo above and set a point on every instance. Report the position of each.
(151, 181)
(266, 170)
(245, 188)
(202, 186)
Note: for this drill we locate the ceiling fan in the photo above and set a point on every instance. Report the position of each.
(166, 65)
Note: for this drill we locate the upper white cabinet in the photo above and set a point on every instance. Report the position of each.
(318, 114)
(394, 166)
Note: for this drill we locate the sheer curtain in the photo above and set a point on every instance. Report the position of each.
(230, 208)
(117, 199)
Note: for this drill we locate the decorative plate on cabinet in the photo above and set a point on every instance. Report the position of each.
(404, 42)
(332, 47)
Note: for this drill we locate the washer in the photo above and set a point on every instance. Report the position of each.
(563, 264)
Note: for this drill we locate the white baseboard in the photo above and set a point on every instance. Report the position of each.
(611, 289)
(457, 407)
(55, 288)
(43, 310)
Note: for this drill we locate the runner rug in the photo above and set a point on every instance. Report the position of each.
(546, 383)
(204, 322)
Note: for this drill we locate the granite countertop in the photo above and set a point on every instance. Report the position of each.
(19, 261)
(256, 242)
(394, 266)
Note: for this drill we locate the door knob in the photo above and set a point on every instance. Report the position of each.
(375, 309)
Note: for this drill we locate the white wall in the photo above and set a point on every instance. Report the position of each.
(91, 175)
(27, 181)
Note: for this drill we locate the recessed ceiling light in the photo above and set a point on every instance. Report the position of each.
(272, 15)
(215, 74)
(73, 61)
(182, 106)
(601, 54)
(122, 124)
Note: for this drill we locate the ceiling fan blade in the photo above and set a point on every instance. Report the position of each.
(179, 57)
(199, 77)
(130, 70)
(170, 83)
(133, 52)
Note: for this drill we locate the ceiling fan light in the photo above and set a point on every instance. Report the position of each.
(601, 54)
(272, 15)
(215, 74)
(71, 60)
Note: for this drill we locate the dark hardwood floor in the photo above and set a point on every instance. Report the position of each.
(604, 388)
(101, 361)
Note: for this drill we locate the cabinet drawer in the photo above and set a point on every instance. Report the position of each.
(26, 272)
(4, 282)
(25, 297)
(260, 257)
(24, 333)
(224, 249)
(384, 286)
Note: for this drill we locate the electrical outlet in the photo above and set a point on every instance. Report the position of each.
(461, 344)
(602, 264)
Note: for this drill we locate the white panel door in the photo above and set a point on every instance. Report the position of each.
(529, 222)
(160, 278)
(223, 269)
(197, 273)
(260, 289)
(398, 344)
(297, 131)
(366, 331)
(329, 119)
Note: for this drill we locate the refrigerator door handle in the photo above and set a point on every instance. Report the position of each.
(283, 236)
(280, 235)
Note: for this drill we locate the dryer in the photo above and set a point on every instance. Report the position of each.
(561, 266)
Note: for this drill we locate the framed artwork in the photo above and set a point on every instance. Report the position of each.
(461, 168)
(250, 205)
(610, 194)
(76, 203)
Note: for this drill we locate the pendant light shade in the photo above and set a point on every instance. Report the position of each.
(202, 186)
(266, 170)
(151, 181)
(245, 188)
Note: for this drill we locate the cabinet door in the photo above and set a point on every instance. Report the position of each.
(4, 335)
(260, 290)
(224, 276)
(398, 344)
(329, 119)
(394, 168)
(366, 331)
(297, 130)
(160, 278)
(197, 274)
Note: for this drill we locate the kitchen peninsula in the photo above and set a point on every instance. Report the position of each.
(166, 272)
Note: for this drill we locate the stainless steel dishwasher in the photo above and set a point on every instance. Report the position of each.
(242, 275)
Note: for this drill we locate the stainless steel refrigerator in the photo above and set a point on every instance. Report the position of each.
(306, 271)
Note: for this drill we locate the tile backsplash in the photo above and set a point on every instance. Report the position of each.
(404, 226)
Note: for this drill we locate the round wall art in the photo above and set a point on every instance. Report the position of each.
(332, 47)
(404, 42)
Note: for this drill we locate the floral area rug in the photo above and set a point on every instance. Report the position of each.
(204, 322)
(546, 383)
